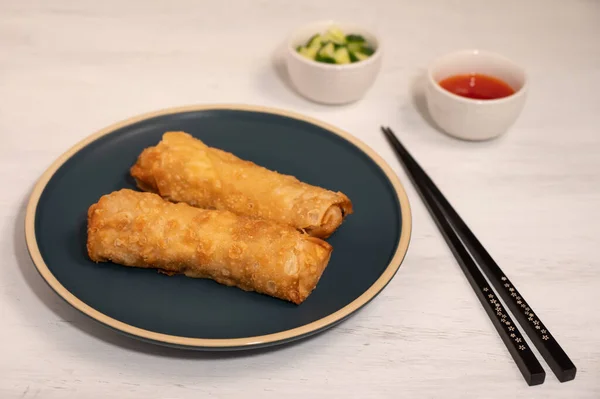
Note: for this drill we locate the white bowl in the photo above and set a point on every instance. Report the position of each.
(330, 83)
(472, 119)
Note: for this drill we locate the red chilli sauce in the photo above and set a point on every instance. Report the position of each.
(477, 86)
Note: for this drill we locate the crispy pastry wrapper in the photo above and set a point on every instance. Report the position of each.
(143, 230)
(182, 168)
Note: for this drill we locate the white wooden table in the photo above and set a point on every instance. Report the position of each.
(69, 68)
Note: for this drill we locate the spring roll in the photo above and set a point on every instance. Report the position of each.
(143, 230)
(182, 168)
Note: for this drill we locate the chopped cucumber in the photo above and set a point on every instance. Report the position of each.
(325, 59)
(315, 41)
(327, 51)
(354, 47)
(303, 51)
(367, 50)
(335, 35)
(355, 39)
(335, 47)
(359, 56)
(360, 48)
(309, 53)
(342, 56)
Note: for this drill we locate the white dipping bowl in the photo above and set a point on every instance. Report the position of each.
(472, 119)
(330, 83)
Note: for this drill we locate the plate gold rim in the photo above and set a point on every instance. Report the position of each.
(283, 336)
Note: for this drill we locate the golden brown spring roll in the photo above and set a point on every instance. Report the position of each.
(182, 168)
(143, 230)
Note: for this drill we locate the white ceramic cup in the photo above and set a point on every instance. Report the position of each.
(330, 83)
(472, 119)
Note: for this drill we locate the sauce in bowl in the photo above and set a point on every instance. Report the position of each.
(477, 86)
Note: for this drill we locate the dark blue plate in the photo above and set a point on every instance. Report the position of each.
(201, 314)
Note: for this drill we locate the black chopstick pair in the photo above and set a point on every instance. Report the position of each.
(470, 253)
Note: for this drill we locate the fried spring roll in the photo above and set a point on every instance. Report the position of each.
(143, 230)
(182, 168)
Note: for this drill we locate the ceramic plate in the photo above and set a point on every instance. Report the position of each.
(201, 314)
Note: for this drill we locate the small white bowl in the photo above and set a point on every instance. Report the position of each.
(330, 83)
(472, 119)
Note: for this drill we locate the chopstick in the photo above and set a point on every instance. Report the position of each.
(445, 215)
(530, 367)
